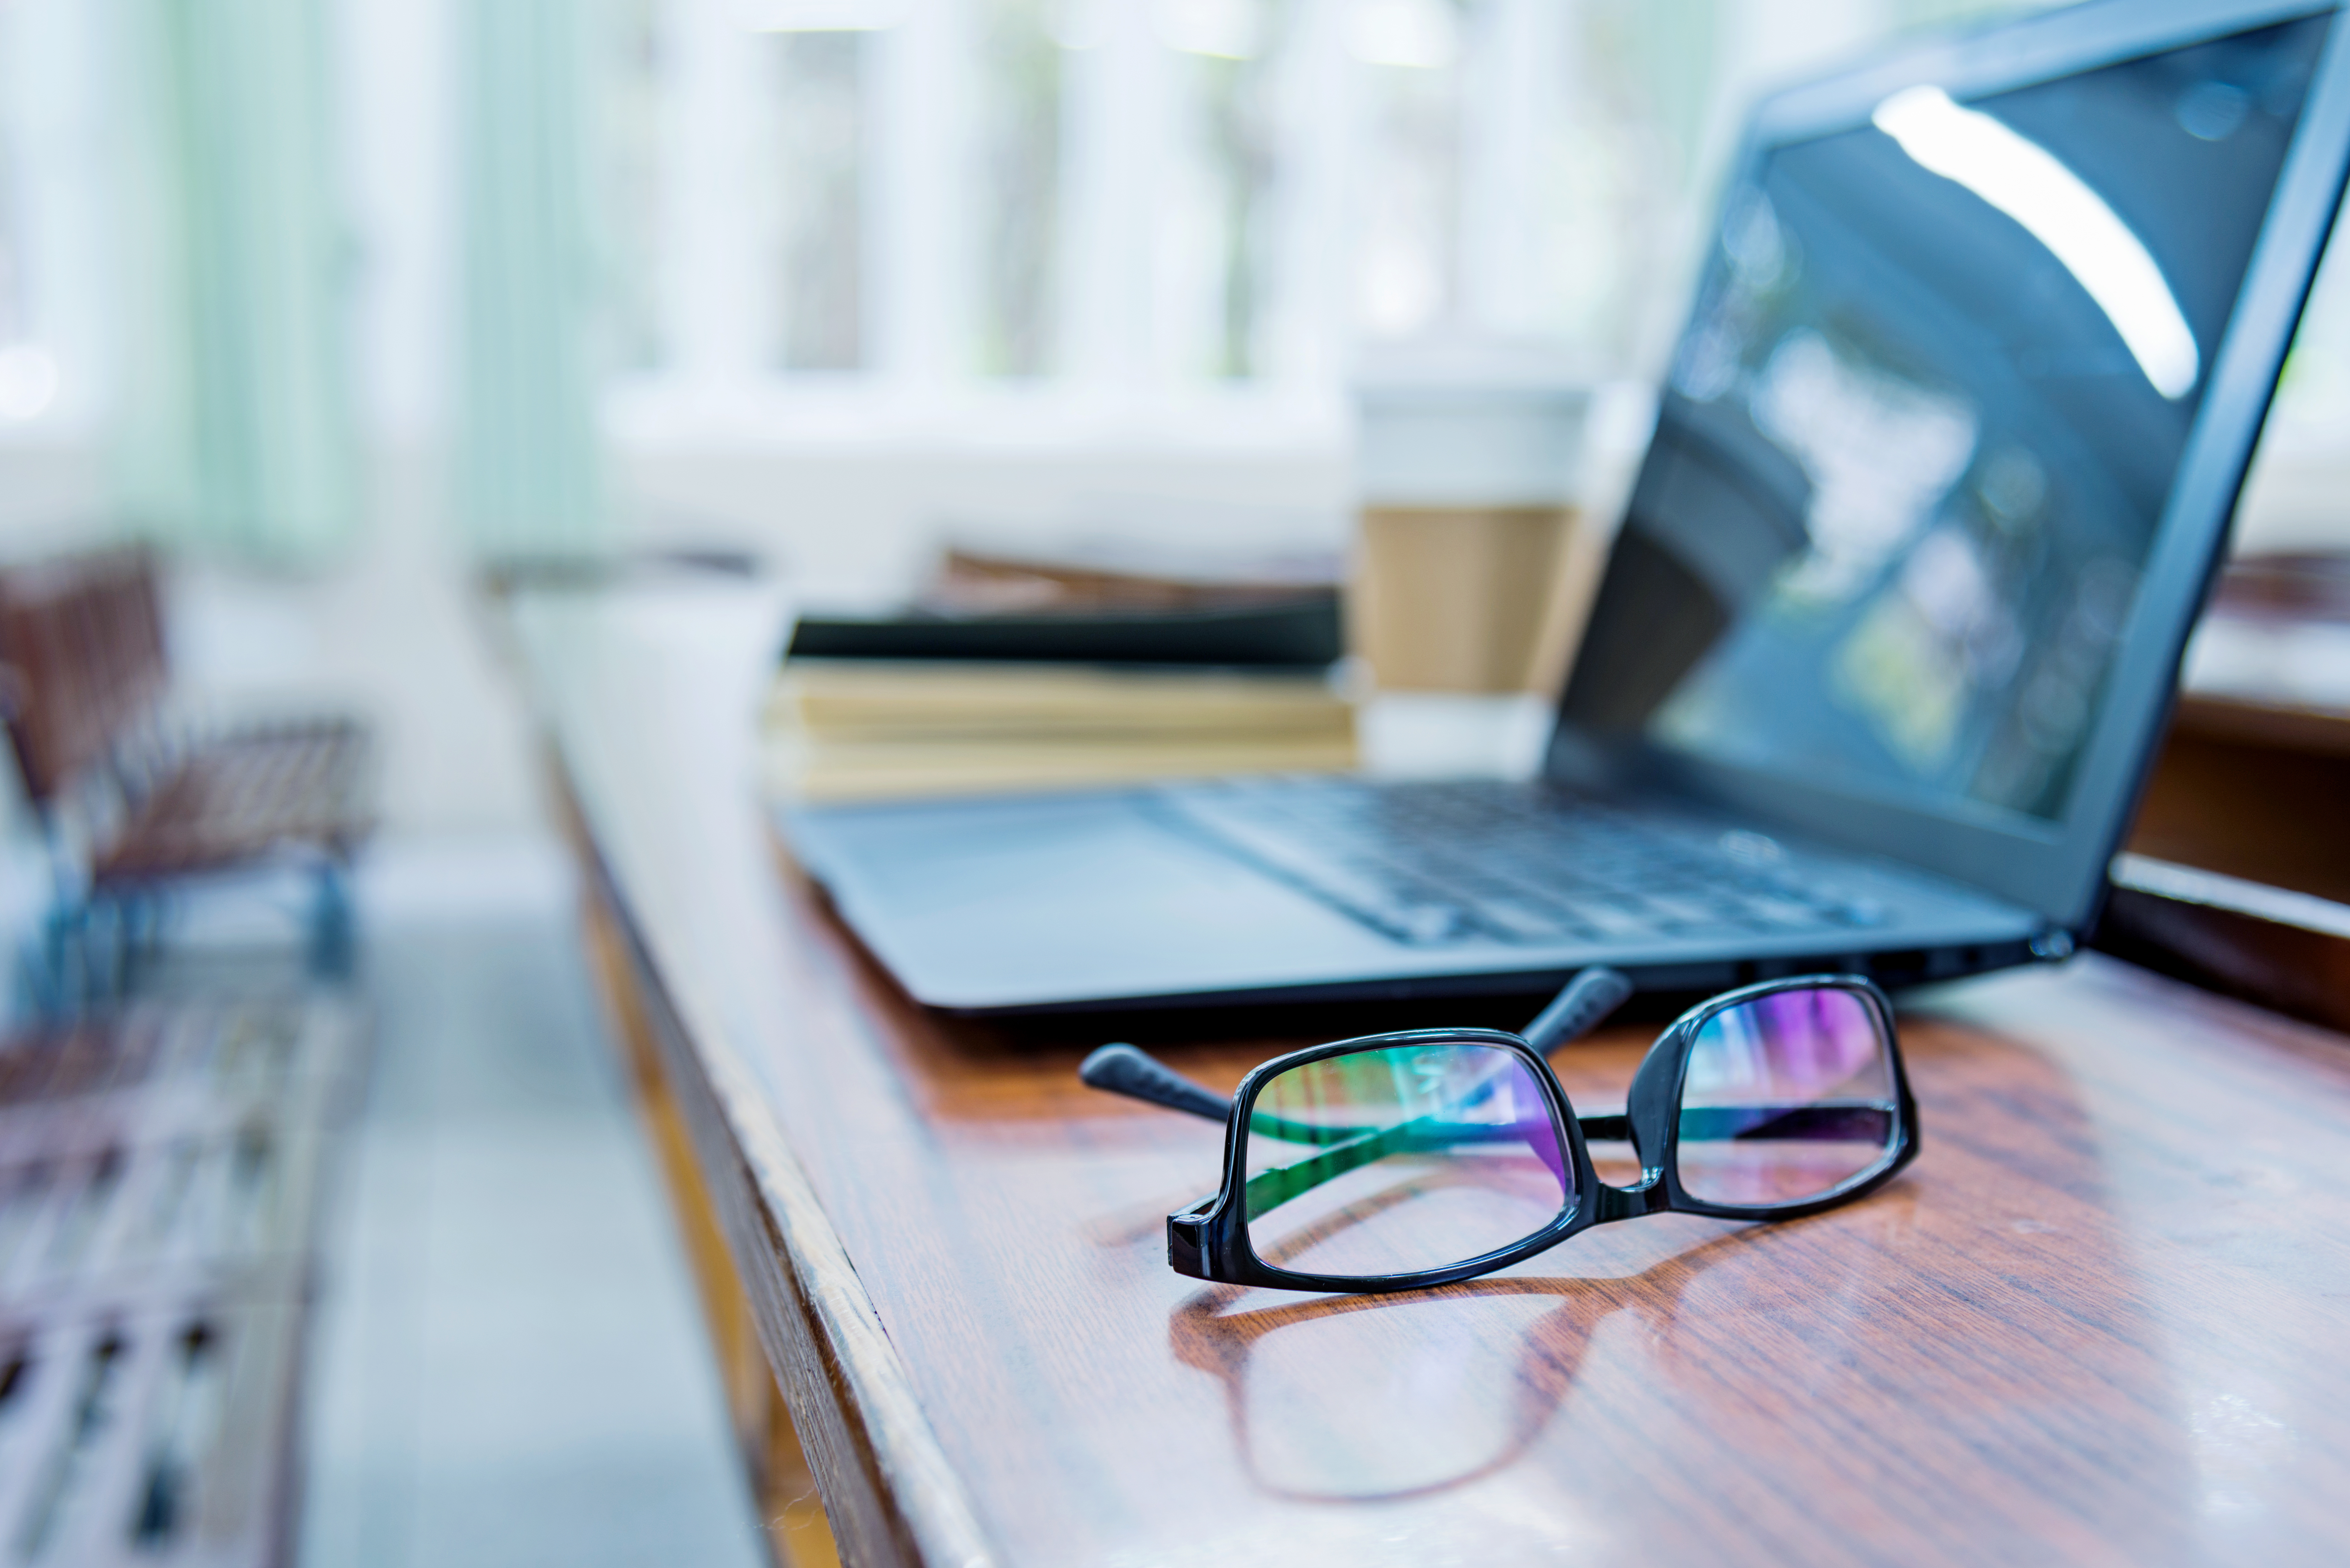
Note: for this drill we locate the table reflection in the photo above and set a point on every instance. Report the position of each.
(1988, 1283)
(1358, 1399)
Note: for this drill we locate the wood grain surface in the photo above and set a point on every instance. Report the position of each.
(2105, 1318)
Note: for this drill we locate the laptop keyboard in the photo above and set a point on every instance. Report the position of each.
(1434, 863)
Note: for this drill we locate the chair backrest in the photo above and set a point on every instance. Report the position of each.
(81, 660)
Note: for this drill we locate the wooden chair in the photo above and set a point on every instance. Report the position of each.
(135, 804)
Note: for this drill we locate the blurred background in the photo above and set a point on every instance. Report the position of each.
(337, 299)
(350, 308)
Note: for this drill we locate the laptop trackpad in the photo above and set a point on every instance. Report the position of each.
(994, 903)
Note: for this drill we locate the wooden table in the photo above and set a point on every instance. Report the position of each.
(2105, 1318)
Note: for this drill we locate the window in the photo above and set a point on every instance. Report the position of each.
(817, 139)
(1407, 52)
(1016, 161)
(635, 95)
(51, 351)
(1134, 202)
(27, 374)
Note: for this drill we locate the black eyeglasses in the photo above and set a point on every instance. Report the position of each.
(1393, 1161)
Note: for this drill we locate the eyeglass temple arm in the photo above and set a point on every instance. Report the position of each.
(1133, 1072)
(1580, 1007)
(1129, 1070)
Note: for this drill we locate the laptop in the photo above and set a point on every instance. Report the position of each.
(1941, 472)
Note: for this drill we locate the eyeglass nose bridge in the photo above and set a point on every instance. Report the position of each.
(1646, 1196)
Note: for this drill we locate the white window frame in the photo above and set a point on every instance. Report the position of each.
(58, 142)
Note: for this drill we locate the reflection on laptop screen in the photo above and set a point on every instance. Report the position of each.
(1924, 422)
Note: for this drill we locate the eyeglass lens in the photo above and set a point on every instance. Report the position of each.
(1402, 1157)
(1788, 1097)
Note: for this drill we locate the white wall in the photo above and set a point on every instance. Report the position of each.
(849, 525)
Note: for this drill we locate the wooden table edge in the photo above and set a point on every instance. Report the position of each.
(2286, 951)
(890, 1493)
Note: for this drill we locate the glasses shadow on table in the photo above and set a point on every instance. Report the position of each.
(1370, 1398)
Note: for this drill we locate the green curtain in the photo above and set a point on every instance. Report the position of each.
(1671, 52)
(528, 480)
(1946, 13)
(236, 431)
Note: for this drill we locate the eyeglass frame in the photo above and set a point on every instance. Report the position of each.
(1208, 1240)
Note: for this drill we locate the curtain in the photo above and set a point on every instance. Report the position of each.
(236, 433)
(528, 478)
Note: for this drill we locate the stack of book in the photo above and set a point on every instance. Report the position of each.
(1016, 674)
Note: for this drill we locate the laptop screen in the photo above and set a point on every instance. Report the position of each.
(1919, 436)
